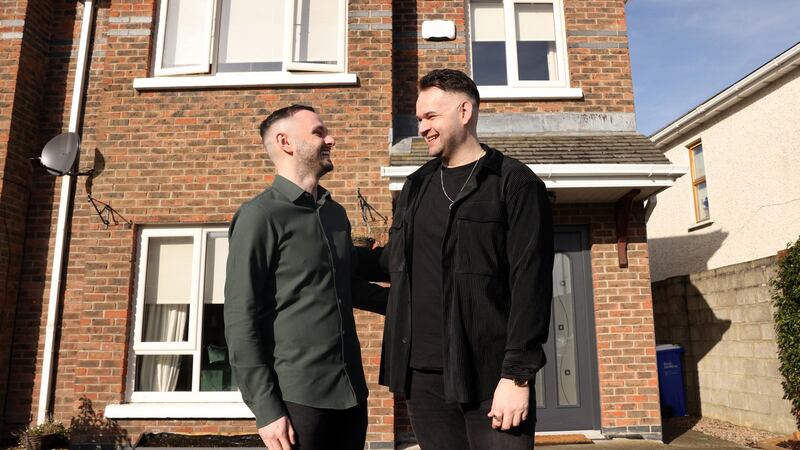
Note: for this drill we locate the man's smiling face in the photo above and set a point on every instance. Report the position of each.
(441, 121)
(313, 143)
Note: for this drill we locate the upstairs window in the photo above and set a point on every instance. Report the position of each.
(518, 43)
(699, 188)
(217, 36)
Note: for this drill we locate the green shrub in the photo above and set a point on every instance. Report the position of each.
(786, 298)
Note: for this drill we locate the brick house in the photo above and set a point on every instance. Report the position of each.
(124, 322)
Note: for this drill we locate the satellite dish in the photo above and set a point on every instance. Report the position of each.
(58, 155)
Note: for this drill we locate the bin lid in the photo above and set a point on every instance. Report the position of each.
(665, 347)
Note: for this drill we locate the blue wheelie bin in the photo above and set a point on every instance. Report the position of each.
(670, 380)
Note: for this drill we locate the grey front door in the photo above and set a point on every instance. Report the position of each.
(567, 391)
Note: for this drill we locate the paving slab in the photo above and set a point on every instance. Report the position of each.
(688, 440)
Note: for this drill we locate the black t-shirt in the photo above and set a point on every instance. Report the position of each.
(430, 223)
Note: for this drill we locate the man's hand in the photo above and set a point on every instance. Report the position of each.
(278, 435)
(509, 405)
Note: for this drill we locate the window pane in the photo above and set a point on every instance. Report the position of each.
(215, 368)
(316, 34)
(169, 270)
(251, 35)
(216, 258)
(163, 373)
(564, 321)
(488, 44)
(699, 163)
(702, 202)
(536, 41)
(165, 323)
(187, 21)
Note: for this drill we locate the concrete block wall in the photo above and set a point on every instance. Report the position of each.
(723, 320)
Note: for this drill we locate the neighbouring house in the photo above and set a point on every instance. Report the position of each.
(713, 239)
(124, 321)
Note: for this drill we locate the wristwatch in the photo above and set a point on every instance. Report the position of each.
(520, 382)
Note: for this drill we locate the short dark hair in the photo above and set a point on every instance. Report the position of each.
(450, 80)
(280, 114)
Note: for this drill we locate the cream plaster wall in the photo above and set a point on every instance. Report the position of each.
(752, 160)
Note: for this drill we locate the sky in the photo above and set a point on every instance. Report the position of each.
(685, 51)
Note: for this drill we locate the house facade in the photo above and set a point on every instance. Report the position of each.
(713, 239)
(117, 326)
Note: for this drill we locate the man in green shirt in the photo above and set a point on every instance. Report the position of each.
(289, 297)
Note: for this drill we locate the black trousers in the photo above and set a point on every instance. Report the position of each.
(328, 429)
(465, 426)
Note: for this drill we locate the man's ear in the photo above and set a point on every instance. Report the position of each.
(282, 142)
(466, 111)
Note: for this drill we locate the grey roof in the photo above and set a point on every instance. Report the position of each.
(548, 148)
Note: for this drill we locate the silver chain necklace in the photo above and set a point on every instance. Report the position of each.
(441, 178)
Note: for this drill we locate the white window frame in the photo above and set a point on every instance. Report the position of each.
(289, 26)
(512, 75)
(193, 347)
(208, 28)
(288, 42)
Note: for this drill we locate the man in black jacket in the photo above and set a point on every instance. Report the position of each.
(470, 258)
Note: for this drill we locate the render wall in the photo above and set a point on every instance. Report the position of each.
(752, 167)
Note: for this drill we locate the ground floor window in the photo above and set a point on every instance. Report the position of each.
(179, 351)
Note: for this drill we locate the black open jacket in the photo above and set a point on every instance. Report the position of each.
(497, 262)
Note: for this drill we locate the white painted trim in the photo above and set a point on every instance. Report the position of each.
(533, 93)
(208, 27)
(199, 235)
(341, 30)
(743, 88)
(532, 89)
(208, 410)
(566, 176)
(63, 211)
(246, 79)
(571, 170)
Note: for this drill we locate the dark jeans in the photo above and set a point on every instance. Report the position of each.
(442, 426)
(328, 429)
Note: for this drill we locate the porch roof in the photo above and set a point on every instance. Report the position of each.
(576, 167)
(549, 148)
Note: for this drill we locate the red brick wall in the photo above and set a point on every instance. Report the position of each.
(192, 156)
(24, 34)
(598, 56)
(182, 156)
(623, 320)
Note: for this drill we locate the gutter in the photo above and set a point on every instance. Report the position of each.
(740, 90)
(64, 207)
(562, 176)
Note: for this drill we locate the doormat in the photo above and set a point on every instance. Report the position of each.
(562, 439)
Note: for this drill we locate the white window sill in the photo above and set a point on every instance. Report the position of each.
(178, 411)
(246, 79)
(532, 93)
(700, 225)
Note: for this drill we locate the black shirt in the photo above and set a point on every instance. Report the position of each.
(430, 224)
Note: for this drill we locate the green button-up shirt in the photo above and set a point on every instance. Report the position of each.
(288, 304)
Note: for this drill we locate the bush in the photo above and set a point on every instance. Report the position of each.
(786, 298)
